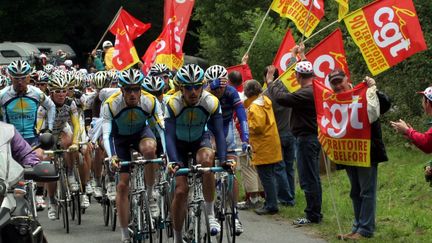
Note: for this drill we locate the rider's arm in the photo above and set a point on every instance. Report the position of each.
(170, 136)
(75, 122)
(216, 123)
(158, 120)
(49, 105)
(107, 128)
(241, 115)
(40, 119)
(22, 152)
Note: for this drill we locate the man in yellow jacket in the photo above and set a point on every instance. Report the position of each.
(109, 52)
(264, 139)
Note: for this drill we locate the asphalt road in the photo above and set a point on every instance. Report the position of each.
(257, 229)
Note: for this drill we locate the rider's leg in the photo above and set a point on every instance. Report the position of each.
(147, 148)
(97, 165)
(178, 206)
(122, 201)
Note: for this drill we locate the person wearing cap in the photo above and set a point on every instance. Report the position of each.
(363, 180)
(304, 127)
(109, 52)
(423, 141)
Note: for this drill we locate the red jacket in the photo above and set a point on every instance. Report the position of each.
(422, 140)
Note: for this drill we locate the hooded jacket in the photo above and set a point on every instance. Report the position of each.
(263, 131)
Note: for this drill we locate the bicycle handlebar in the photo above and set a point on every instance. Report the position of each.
(141, 161)
(195, 170)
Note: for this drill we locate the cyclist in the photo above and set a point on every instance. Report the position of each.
(161, 70)
(49, 69)
(42, 82)
(19, 102)
(125, 118)
(187, 115)
(217, 78)
(67, 138)
(4, 81)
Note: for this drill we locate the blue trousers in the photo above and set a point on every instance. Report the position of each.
(285, 174)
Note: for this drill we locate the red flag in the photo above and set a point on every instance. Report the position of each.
(343, 124)
(325, 56)
(245, 72)
(283, 56)
(125, 54)
(164, 50)
(182, 11)
(387, 32)
(134, 27)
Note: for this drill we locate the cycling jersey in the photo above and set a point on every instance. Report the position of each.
(21, 111)
(121, 120)
(67, 113)
(188, 124)
(230, 101)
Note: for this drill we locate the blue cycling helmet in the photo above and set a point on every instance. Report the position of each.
(190, 74)
(19, 68)
(153, 84)
(130, 76)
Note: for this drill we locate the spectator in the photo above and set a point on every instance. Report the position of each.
(266, 150)
(109, 52)
(304, 128)
(284, 171)
(363, 180)
(423, 141)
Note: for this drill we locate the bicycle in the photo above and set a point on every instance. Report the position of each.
(196, 210)
(108, 204)
(64, 196)
(142, 226)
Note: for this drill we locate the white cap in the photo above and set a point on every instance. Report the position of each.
(42, 56)
(68, 63)
(107, 44)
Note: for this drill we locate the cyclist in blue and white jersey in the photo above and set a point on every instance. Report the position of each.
(188, 113)
(126, 116)
(20, 102)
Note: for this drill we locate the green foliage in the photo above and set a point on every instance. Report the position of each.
(228, 28)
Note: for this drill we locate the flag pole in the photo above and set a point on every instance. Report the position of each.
(259, 28)
(307, 21)
(321, 30)
(109, 26)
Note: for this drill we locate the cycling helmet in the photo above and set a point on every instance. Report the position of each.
(4, 81)
(101, 80)
(49, 68)
(34, 76)
(79, 81)
(159, 69)
(153, 84)
(130, 76)
(58, 82)
(43, 77)
(190, 74)
(216, 72)
(19, 68)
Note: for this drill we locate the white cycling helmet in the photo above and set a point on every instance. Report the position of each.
(216, 72)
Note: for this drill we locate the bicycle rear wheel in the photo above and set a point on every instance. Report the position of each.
(113, 214)
(63, 201)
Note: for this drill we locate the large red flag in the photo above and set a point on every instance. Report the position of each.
(283, 56)
(182, 10)
(164, 49)
(387, 32)
(125, 54)
(134, 27)
(343, 124)
(327, 55)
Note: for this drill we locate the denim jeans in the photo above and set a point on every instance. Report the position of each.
(285, 175)
(266, 174)
(363, 195)
(308, 169)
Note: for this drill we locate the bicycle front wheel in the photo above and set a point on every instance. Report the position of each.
(202, 226)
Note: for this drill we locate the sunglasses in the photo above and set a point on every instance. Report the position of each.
(130, 89)
(40, 84)
(193, 86)
(19, 78)
(58, 91)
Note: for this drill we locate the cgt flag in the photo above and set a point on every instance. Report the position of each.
(125, 54)
(297, 11)
(387, 32)
(343, 8)
(327, 55)
(182, 10)
(343, 124)
(164, 50)
(134, 27)
(283, 56)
